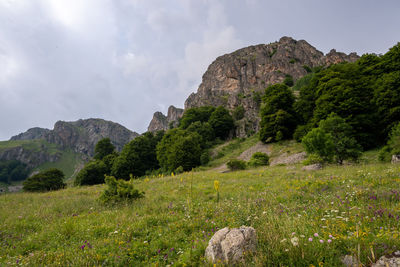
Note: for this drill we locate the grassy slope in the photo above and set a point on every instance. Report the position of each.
(177, 217)
(69, 160)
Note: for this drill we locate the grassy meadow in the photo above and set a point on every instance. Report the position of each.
(301, 218)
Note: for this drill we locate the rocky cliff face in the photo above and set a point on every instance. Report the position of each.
(31, 134)
(234, 79)
(32, 158)
(162, 122)
(82, 135)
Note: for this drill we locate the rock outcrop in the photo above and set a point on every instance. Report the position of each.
(31, 157)
(388, 261)
(236, 79)
(83, 135)
(395, 159)
(162, 122)
(229, 246)
(31, 134)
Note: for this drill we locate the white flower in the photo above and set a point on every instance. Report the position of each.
(295, 241)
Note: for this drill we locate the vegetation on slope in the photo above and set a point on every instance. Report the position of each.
(333, 212)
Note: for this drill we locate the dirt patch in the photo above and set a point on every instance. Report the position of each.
(259, 147)
(286, 158)
(15, 188)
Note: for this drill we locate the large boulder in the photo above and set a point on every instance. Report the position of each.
(388, 261)
(395, 159)
(229, 246)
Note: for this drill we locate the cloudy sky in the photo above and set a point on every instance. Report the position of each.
(122, 60)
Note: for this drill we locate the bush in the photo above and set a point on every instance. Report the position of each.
(48, 180)
(236, 164)
(313, 159)
(238, 113)
(93, 173)
(317, 142)
(119, 190)
(259, 159)
(393, 145)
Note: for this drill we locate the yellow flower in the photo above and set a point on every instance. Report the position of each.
(216, 185)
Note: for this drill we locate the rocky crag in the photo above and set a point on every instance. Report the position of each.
(237, 79)
(162, 122)
(79, 136)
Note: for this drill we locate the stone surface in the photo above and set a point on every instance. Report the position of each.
(33, 133)
(32, 158)
(395, 159)
(388, 261)
(234, 79)
(83, 135)
(350, 261)
(312, 167)
(229, 246)
(162, 122)
(286, 158)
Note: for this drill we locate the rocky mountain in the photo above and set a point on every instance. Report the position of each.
(31, 134)
(70, 142)
(238, 78)
(82, 135)
(162, 122)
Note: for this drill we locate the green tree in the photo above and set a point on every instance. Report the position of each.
(179, 148)
(393, 145)
(222, 122)
(103, 148)
(13, 170)
(205, 131)
(48, 180)
(137, 157)
(277, 114)
(92, 173)
(345, 145)
(318, 142)
(192, 115)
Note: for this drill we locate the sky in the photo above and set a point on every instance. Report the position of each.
(123, 60)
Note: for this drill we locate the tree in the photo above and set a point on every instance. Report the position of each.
(179, 148)
(191, 115)
(222, 122)
(205, 131)
(92, 173)
(103, 148)
(318, 142)
(393, 145)
(345, 145)
(277, 114)
(13, 170)
(137, 157)
(333, 139)
(48, 180)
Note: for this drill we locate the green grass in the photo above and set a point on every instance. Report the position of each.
(33, 145)
(67, 163)
(358, 205)
(230, 150)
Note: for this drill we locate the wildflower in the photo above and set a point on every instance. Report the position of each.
(295, 241)
(321, 241)
(316, 235)
(329, 240)
(310, 239)
(216, 185)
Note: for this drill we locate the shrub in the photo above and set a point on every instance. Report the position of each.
(317, 142)
(93, 173)
(48, 180)
(393, 145)
(179, 170)
(259, 159)
(313, 159)
(238, 113)
(236, 164)
(119, 190)
(288, 80)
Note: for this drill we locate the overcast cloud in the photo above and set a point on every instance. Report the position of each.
(122, 60)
